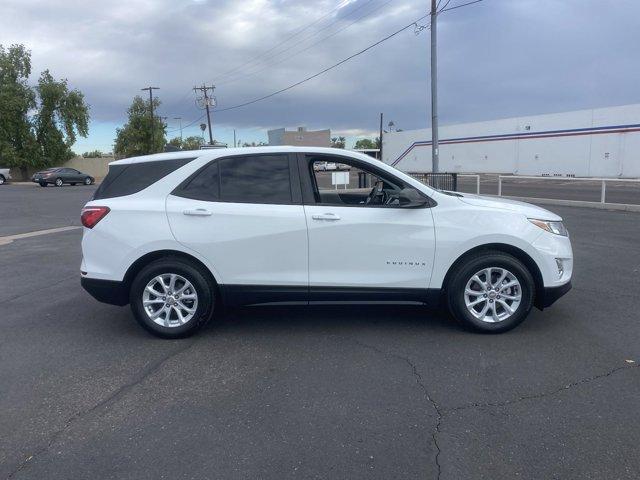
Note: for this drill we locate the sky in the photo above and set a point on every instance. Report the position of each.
(496, 59)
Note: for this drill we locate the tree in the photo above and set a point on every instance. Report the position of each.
(62, 113)
(192, 143)
(189, 143)
(134, 138)
(38, 125)
(338, 142)
(366, 143)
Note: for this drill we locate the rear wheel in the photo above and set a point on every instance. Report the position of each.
(491, 293)
(172, 298)
(59, 182)
(2, 179)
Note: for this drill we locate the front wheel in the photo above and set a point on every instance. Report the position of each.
(58, 182)
(2, 179)
(43, 184)
(491, 293)
(171, 298)
(87, 181)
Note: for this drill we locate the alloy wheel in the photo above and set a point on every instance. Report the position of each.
(493, 294)
(170, 300)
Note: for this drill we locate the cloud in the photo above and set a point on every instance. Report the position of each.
(496, 59)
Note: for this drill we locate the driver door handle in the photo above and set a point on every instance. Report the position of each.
(198, 212)
(326, 216)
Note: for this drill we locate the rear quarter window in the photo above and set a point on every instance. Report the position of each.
(131, 178)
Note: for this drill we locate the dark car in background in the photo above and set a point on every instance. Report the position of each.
(58, 176)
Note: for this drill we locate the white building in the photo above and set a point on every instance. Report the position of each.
(602, 142)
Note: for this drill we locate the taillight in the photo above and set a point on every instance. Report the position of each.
(90, 216)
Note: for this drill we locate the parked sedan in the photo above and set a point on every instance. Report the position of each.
(4, 175)
(58, 176)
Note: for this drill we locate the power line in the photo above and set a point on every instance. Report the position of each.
(255, 72)
(459, 6)
(263, 56)
(440, 10)
(326, 69)
(188, 124)
(302, 41)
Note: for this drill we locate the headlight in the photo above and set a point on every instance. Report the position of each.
(556, 228)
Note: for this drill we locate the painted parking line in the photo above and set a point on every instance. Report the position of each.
(10, 238)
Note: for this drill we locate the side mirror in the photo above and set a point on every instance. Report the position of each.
(411, 198)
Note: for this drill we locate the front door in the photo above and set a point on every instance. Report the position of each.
(244, 214)
(360, 238)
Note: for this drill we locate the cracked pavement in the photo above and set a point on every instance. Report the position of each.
(323, 392)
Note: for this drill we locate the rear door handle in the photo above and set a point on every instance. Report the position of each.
(198, 212)
(326, 216)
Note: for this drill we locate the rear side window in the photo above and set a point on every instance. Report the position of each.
(205, 185)
(131, 178)
(242, 179)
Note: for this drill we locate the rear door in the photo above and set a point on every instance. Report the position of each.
(359, 245)
(244, 214)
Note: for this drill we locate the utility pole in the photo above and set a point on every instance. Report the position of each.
(209, 101)
(380, 137)
(234, 138)
(151, 89)
(180, 120)
(434, 88)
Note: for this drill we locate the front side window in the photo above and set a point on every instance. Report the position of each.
(337, 181)
(242, 179)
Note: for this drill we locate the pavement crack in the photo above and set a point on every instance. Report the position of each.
(148, 371)
(548, 393)
(427, 395)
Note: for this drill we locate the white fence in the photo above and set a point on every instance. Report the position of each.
(602, 181)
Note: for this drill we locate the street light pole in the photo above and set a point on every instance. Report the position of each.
(435, 160)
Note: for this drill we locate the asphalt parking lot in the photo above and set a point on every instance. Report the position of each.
(321, 392)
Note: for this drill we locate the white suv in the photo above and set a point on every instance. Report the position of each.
(178, 235)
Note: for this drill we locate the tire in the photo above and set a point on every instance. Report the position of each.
(73, 184)
(2, 179)
(43, 184)
(59, 182)
(182, 269)
(496, 317)
(87, 181)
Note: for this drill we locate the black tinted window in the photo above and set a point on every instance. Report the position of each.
(255, 179)
(205, 185)
(131, 178)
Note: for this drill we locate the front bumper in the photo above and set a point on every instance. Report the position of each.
(549, 295)
(106, 291)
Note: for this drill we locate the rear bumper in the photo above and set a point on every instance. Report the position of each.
(106, 291)
(549, 295)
